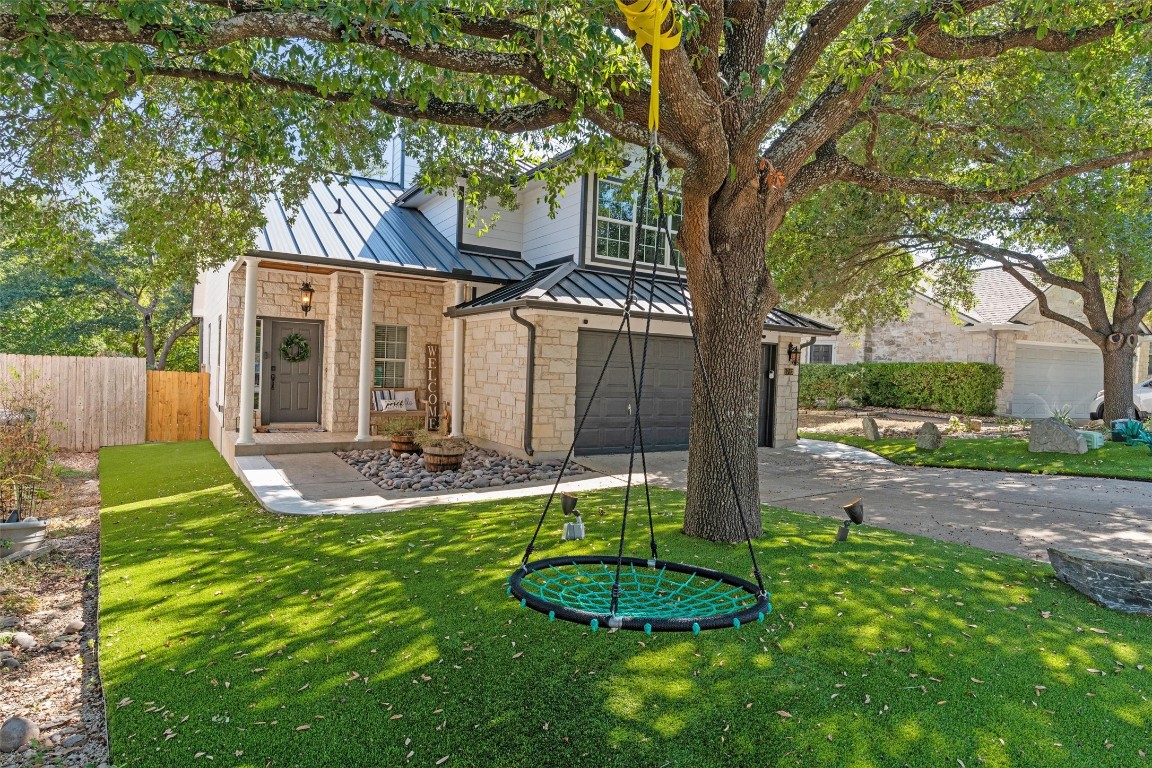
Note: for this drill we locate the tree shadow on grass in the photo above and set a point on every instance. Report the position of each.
(230, 629)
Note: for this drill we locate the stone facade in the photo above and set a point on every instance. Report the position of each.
(495, 360)
(787, 393)
(416, 304)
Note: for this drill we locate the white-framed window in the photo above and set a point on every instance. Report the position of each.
(617, 217)
(391, 356)
(820, 353)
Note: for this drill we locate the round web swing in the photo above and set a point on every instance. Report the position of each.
(646, 594)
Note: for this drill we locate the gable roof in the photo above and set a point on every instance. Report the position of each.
(370, 229)
(999, 296)
(569, 287)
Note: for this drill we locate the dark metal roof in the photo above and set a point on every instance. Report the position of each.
(371, 230)
(568, 287)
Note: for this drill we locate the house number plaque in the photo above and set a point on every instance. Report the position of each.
(432, 369)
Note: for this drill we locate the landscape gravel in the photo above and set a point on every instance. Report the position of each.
(480, 469)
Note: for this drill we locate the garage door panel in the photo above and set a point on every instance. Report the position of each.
(1055, 377)
(667, 407)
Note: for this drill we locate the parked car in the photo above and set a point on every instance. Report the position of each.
(1141, 398)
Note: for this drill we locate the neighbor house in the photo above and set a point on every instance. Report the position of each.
(1047, 365)
(376, 290)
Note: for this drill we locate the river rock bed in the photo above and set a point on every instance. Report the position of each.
(480, 469)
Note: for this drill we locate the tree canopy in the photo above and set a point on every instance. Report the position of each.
(202, 106)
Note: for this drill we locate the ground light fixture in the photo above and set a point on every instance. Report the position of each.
(573, 531)
(855, 512)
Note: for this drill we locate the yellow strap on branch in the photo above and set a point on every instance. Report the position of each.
(646, 18)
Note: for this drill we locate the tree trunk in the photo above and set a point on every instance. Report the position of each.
(729, 321)
(1118, 364)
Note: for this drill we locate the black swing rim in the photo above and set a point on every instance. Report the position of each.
(756, 612)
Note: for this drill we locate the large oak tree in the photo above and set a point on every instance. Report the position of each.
(765, 103)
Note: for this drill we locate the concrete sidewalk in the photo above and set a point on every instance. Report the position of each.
(1013, 513)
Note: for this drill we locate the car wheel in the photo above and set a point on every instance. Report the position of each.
(1097, 414)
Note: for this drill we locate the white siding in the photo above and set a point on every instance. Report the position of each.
(441, 211)
(547, 238)
(212, 305)
(505, 233)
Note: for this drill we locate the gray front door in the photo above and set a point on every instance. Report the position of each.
(290, 391)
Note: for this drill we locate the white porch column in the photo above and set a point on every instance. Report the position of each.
(458, 365)
(248, 353)
(364, 401)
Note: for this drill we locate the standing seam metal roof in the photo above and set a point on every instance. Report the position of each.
(372, 230)
(569, 287)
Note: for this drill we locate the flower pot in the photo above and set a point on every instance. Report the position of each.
(22, 536)
(402, 443)
(443, 459)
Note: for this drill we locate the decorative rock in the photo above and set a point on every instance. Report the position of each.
(8, 621)
(929, 438)
(72, 740)
(24, 640)
(73, 627)
(1052, 436)
(480, 469)
(16, 733)
(975, 425)
(1114, 582)
(871, 431)
(10, 662)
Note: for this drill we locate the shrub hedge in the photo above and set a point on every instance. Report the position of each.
(967, 388)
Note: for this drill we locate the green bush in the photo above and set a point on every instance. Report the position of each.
(968, 388)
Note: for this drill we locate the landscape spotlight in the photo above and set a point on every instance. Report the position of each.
(572, 531)
(855, 512)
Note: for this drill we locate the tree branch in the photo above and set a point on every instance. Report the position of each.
(939, 45)
(173, 337)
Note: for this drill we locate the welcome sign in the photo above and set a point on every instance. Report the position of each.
(432, 371)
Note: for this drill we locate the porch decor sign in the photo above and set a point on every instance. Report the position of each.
(432, 369)
(295, 348)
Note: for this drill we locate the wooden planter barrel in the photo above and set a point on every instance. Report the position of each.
(402, 443)
(443, 459)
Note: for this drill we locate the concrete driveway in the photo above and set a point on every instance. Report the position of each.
(1013, 513)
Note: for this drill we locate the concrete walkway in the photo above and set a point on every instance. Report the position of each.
(322, 484)
(1013, 513)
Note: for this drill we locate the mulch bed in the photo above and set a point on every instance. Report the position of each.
(56, 683)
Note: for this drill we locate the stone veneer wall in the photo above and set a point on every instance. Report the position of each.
(417, 304)
(928, 335)
(496, 358)
(787, 394)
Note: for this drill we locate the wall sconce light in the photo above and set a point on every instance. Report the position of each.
(793, 354)
(855, 512)
(306, 293)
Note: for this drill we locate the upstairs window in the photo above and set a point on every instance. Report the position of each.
(617, 230)
(391, 356)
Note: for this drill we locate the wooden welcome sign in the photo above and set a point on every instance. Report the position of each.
(432, 369)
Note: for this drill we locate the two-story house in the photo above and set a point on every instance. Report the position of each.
(507, 328)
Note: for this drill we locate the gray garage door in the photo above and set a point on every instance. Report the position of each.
(667, 407)
(1055, 377)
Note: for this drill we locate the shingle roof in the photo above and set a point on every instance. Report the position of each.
(371, 229)
(999, 296)
(569, 287)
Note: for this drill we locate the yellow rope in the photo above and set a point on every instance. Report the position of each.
(647, 18)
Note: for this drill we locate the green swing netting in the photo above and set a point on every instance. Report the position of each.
(652, 594)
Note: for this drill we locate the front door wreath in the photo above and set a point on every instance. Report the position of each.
(295, 348)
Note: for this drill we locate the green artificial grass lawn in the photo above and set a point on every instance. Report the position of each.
(1008, 454)
(388, 640)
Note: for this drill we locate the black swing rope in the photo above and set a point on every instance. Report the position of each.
(556, 597)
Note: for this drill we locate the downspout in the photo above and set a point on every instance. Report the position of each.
(529, 377)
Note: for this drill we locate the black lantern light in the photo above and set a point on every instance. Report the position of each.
(855, 512)
(793, 354)
(306, 293)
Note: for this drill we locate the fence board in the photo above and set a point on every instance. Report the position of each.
(97, 401)
(177, 406)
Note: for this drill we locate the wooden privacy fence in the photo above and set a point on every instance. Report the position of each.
(177, 406)
(96, 401)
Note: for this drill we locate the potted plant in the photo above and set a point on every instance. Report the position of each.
(441, 453)
(19, 529)
(402, 431)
